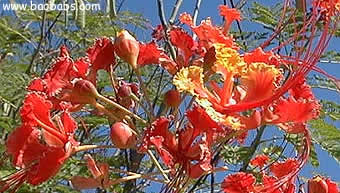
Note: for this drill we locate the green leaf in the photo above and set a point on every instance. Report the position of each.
(327, 136)
(313, 157)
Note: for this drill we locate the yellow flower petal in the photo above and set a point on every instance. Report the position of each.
(229, 59)
(188, 79)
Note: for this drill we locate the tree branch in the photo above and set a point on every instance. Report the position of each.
(175, 11)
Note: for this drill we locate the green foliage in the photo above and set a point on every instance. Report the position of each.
(317, 81)
(327, 136)
(266, 16)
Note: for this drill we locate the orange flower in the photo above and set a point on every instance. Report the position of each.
(260, 81)
(229, 14)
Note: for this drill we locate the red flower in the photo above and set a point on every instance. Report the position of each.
(184, 44)
(280, 169)
(191, 149)
(101, 56)
(238, 183)
(229, 14)
(39, 161)
(259, 160)
(59, 77)
(100, 173)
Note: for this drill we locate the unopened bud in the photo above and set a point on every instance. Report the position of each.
(172, 98)
(122, 136)
(317, 185)
(127, 48)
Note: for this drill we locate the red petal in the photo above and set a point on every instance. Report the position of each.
(281, 169)
(299, 111)
(59, 75)
(238, 183)
(80, 68)
(148, 54)
(251, 122)
(24, 145)
(229, 13)
(259, 160)
(166, 156)
(258, 55)
(36, 107)
(101, 54)
(159, 128)
(183, 42)
(47, 167)
(92, 166)
(158, 33)
(81, 183)
(200, 119)
(51, 140)
(36, 84)
(332, 186)
(209, 34)
(69, 124)
(186, 19)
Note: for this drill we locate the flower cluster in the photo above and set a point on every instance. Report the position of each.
(232, 91)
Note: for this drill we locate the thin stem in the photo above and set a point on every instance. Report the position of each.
(101, 108)
(175, 11)
(145, 176)
(145, 92)
(155, 161)
(253, 148)
(118, 106)
(196, 10)
(90, 147)
(161, 12)
(42, 35)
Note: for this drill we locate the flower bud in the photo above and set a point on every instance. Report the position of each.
(127, 48)
(82, 92)
(172, 98)
(122, 136)
(317, 185)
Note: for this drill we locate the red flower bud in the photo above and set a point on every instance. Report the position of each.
(122, 136)
(172, 98)
(124, 90)
(317, 185)
(82, 92)
(127, 48)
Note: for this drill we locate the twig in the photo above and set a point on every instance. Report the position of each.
(196, 10)
(158, 89)
(42, 35)
(145, 92)
(145, 176)
(253, 148)
(155, 161)
(175, 11)
(90, 147)
(118, 106)
(161, 13)
(164, 23)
